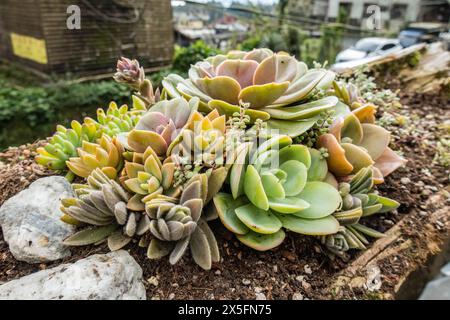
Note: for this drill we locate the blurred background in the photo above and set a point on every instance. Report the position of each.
(57, 56)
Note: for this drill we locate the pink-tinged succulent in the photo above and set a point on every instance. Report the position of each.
(160, 125)
(355, 142)
(274, 86)
(129, 72)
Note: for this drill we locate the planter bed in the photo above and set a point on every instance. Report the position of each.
(416, 232)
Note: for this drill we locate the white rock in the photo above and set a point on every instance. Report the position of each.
(438, 289)
(260, 296)
(297, 296)
(446, 270)
(31, 221)
(112, 276)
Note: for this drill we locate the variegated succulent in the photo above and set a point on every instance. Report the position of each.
(146, 177)
(267, 196)
(179, 224)
(355, 142)
(64, 144)
(160, 126)
(101, 205)
(202, 140)
(106, 154)
(275, 85)
(358, 201)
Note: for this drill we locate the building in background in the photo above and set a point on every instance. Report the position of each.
(394, 13)
(34, 33)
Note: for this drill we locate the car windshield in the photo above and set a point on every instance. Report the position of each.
(366, 45)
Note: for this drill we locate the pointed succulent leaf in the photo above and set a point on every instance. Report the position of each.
(254, 188)
(90, 235)
(158, 249)
(200, 250)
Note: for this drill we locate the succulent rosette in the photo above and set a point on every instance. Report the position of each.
(64, 144)
(106, 155)
(146, 177)
(177, 225)
(275, 86)
(355, 142)
(160, 125)
(358, 201)
(267, 198)
(101, 205)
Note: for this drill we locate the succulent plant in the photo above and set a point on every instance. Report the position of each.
(275, 85)
(358, 201)
(131, 73)
(355, 142)
(147, 177)
(101, 204)
(202, 140)
(267, 197)
(177, 225)
(64, 143)
(117, 120)
(348, 93)
(106, 154)
(160, 125)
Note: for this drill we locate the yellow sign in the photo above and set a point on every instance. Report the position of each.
(29, 48)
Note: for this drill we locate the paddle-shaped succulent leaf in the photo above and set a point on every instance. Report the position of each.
(264, 80)
(178, 224)
(160, 125)
(358, 201)
(106, 154)
(355, 142)
(272, 192)
(101, 205)
(64, 143)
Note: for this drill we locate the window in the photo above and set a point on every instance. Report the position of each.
(388, 46)
(398, 11)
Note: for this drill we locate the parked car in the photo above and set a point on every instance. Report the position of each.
(368, 47)
(420, 32)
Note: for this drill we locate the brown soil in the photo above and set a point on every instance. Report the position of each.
(298, 265)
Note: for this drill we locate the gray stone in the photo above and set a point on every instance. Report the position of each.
(446, 270)
(31, 221)
(438, 289)
(112, 276)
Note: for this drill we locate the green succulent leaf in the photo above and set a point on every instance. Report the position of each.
(226, 206)
(254, 188)
(313, 227)
(323, 200)
(388, 204)
(319, 168)
(288, 205)
(262, 242)
(258, 220)
(90, 235)
(292, 128)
